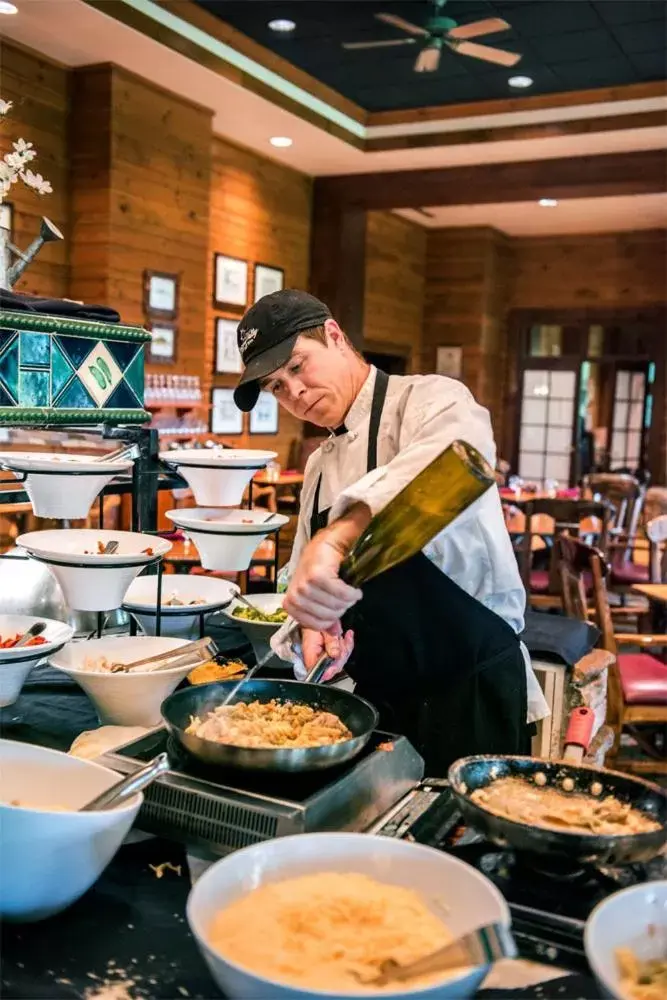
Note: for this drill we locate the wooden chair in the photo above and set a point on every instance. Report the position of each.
(656, 532)
(655, 502)
(626, 494)
(637, 691)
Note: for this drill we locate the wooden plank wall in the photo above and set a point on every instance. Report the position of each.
(260, 211)
(394, 287)
(613, 270)
(39, 91)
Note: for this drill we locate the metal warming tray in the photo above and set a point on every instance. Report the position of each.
(214, 812)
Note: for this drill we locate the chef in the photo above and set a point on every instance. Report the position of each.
(432, 643)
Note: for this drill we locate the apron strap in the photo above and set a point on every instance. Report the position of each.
(319, 519)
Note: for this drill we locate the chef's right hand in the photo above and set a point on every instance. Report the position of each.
(332, 642)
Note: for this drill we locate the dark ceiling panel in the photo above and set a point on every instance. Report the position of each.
(566, 45)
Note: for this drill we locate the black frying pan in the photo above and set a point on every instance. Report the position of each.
(360, 717)
(470, 773)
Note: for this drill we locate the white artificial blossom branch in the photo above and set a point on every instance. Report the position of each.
(14, 165)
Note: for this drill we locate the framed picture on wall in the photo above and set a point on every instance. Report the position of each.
(226, 418)
(267, 280)
(230, 281)
(161, 294)
(264, 415)
(227, 354)
(163, 343)
(449, 361)
(7, 217)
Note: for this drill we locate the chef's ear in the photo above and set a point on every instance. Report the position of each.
(334, 333)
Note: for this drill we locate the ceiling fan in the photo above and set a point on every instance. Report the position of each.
(443, 31)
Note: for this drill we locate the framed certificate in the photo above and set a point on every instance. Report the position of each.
(227, 354)
(267, 280)
(230, 286)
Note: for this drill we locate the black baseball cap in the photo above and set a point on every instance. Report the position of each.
(267, 334)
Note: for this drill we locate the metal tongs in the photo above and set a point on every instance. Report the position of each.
(190, 652)
(481, 947)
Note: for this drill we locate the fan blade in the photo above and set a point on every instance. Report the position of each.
(487, 52)
(379, 45)
(428, 59)
(398, 22)
(489, 26)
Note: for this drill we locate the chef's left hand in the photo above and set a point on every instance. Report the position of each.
(316, 596)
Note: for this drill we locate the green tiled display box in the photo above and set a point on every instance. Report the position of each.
(62, 371)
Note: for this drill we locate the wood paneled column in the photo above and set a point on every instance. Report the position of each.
(338, 260)
(140, 191)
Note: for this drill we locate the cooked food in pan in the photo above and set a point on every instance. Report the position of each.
(328, 931)
(562, 809)
(642, 980)
(270, 725)
(255, 615)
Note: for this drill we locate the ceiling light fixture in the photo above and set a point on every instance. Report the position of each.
(281, 141)
(282, 25)
(8, 8)
(520, 82)
(548, 202)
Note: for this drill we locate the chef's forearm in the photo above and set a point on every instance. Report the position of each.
(344, 532)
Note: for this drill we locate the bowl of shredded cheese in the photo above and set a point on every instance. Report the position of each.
(317, 915)
(626, 943)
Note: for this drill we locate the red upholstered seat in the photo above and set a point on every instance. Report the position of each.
(540, 580)
(628, 573)
(643, 678)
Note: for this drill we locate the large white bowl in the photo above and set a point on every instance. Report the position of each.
(69, 483)
(634, 918)
(16, 664)
(472, 900)
(50, 858)
(259, 633)
(92, 582)
(226, 539)
(121, 699)
(218, 477)
(141, 600)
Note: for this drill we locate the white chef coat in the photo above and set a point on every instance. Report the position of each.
(422, 415)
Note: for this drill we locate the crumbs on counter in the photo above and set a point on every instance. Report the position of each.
(166, 865)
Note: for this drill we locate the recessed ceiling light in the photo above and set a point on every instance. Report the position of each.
(520, 81)
(548, 202)
(282, 25)
(8, 8)
(281, 141)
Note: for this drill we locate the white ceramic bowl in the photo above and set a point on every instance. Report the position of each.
(259, 633)
(141, 600)
(93, 582)
(16, 664)
(634, 918)
(68, 484)
(218, 477)
(226, 539)
(472, 900)
(51, 857)
(121, 699)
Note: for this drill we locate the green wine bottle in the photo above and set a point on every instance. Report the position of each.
(434, 498)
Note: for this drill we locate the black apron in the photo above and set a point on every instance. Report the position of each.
(440, 667)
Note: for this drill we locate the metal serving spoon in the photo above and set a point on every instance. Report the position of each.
(125, 789)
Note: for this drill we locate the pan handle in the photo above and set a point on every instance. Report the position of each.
(319, 669)
(578, 735)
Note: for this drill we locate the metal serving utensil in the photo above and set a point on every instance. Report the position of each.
(483, 946)
(125, 789)
(197, 652)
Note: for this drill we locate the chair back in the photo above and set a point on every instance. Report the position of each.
(655, 502)
(568, 515)
(656, 532)
(581, 566)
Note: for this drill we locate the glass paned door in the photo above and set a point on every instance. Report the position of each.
(547, 419)
(628, 419)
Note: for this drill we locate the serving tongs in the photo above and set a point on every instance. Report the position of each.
(189, 653)
(481, 947)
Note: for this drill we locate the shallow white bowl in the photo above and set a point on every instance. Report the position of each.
(16, 664)
(92, 582)
(218, 477)
(50, 858)
(121, 699)
(472, 900)
(141, 600)
(226, 539)
(259, 633)
(63, 491)
(634, 918)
